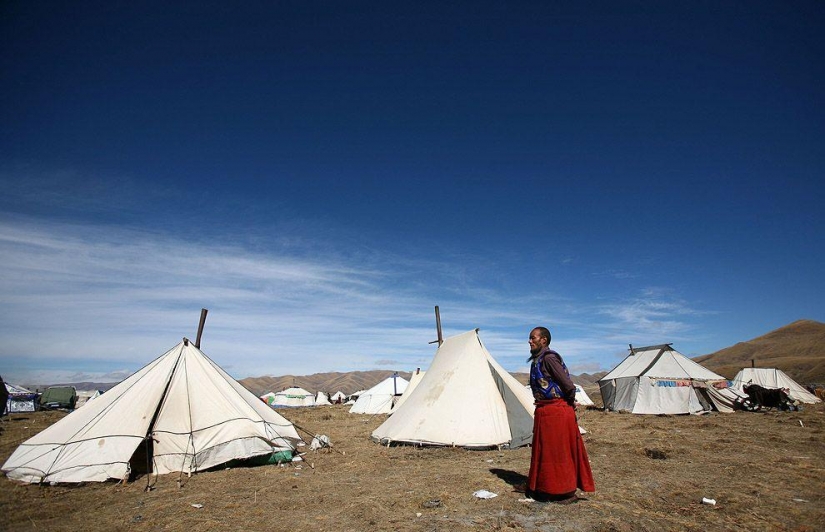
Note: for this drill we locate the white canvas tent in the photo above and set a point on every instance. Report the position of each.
(338, 397)
(193, 413)
(582, 398)
(774, 378)
(414, 380)
(291, 397)
(380, 398)
(658, 380)
(464, 399)
(321, 399)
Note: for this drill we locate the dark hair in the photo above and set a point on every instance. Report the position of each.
(544, 332)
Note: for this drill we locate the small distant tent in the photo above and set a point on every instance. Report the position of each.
(84, 396)
(414, 380)
(321, 399)
(338, 397)
(291, 397)
(582, 398)
(464, 399)
(19, 399)
(380, 398)
(180, 413)
(659, 380)
(354, 397)
(774, 378)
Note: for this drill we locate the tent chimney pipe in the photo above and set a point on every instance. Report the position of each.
(438, 325)
(753, 363)
(200, 328)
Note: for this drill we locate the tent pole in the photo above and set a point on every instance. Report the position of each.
(200, 328)
(438, 325)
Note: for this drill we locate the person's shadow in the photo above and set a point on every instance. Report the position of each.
(517, 480)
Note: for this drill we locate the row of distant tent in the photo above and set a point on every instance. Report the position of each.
(465, 398)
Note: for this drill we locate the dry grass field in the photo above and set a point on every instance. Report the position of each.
(765, 471)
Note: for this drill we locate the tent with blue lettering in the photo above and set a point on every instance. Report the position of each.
(658, 379)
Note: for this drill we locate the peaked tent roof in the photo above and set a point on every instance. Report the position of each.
(380, 398)
(197, 415)
(464, 399)
(774, 378)
(658, 380)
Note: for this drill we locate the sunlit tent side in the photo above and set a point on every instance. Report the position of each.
(659, 380)
(380, 398)
(464, 399)
(181, 410)
(774, 378)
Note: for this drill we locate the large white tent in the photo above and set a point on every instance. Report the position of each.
(464, 399)
(774, 378)
(380, 398)
(182, 408)
(658, 380)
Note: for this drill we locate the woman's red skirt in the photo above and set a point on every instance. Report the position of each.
(559, 462)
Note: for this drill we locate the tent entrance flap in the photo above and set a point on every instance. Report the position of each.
(140, 463)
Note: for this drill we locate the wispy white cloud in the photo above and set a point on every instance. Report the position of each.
(94, 299)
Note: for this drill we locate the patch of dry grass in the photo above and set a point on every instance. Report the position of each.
(765, 471)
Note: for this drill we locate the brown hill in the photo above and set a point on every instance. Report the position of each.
(797, 349)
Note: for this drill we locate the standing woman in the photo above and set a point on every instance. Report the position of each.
(558, 464)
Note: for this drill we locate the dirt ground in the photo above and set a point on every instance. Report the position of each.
(765, 471)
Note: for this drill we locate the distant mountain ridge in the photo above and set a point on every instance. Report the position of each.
(798, 349)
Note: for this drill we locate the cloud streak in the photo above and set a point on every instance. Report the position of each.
(99, 299)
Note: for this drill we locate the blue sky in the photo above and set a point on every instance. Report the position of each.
(320, 175)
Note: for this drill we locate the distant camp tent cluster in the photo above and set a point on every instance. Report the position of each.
(660, 380)
(182, 413)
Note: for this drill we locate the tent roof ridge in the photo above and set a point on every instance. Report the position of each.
(664, 347)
